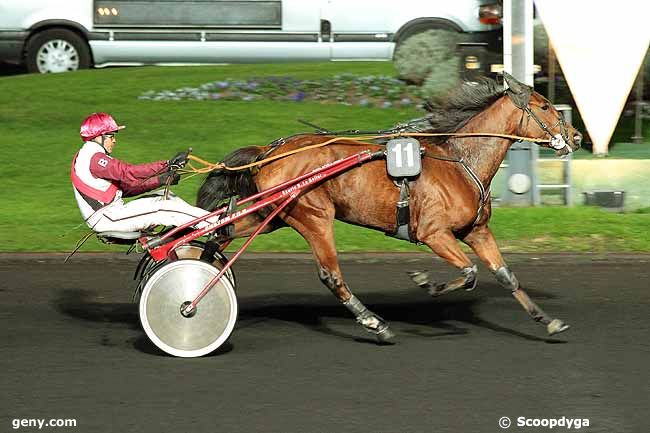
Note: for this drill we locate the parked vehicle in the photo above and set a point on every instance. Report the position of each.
(66, 35)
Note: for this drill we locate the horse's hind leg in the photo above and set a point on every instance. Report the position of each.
(319, 233)
(444, 244)
(482, 241)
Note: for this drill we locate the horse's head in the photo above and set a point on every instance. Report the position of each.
(547, 121)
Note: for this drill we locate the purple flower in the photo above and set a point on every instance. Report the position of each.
(215, 96)
(222, 84)
(298, 97)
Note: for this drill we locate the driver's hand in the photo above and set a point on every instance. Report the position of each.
(178, 161)
(170, 177)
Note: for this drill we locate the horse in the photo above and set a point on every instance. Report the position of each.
(449, 200)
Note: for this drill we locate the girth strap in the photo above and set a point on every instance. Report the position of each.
(403, 213)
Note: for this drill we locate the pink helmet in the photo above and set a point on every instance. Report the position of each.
(97, 124)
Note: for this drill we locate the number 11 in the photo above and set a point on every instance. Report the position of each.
(408, 148)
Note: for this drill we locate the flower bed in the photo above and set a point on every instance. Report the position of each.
(346, 89)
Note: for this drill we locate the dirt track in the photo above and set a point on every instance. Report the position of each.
(297, 362)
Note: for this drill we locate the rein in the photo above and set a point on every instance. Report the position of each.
(483, 193)
(362, 140)
(208, 166)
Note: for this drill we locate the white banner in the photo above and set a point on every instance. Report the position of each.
(600, 46)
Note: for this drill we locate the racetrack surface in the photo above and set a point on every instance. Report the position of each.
(72, 348)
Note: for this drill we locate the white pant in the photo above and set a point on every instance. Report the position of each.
(146, 212)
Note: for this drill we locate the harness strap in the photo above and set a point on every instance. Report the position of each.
(403, 213)
(483, 194)
(481, 190)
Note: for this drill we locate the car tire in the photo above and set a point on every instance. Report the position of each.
(57, 50)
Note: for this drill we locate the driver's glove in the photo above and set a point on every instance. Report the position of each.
(178, 161)
(170, 177)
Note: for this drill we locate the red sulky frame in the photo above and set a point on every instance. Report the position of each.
(164, 247)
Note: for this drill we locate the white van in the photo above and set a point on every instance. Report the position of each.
(65, 35)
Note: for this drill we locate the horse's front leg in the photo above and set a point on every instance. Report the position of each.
(444, 244)
(482, 241)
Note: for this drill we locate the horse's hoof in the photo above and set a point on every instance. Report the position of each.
(420, 278)
(438, 290)
(472, 287)
(385, 336)
(556, 326)
(378, 327)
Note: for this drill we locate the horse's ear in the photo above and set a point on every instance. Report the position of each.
(514, 85)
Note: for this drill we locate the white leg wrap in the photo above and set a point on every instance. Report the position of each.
(355, 306)
(364, 316)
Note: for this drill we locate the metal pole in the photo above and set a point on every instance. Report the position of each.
(551, 72)
(507, 36)
(188, 309)
(518, 60)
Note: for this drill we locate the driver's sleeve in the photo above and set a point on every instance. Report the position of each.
(132, 179)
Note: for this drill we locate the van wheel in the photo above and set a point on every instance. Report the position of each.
(57, 50)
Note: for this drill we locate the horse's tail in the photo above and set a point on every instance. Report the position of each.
(222, 184)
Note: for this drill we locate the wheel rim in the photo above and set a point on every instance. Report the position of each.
(160, 309)
(57, 55)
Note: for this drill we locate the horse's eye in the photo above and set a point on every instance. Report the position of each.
(545, 107)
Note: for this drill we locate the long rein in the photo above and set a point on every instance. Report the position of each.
(209, 166)
(483, 193)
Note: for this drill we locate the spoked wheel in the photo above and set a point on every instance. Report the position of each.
(169, 290)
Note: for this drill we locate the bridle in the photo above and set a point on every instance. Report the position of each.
(557, 141)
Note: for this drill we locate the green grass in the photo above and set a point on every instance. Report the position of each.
(39, 124)
(580, 229)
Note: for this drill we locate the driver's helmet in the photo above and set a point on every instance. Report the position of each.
(98, 124)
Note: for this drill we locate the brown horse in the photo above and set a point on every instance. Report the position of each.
(448, 201)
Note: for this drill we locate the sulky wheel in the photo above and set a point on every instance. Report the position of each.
(194, 249)
(168, 290)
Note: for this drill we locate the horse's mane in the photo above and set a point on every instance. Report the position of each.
(222, 184)
(463, 103)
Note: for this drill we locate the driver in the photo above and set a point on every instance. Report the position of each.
(101, 181)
